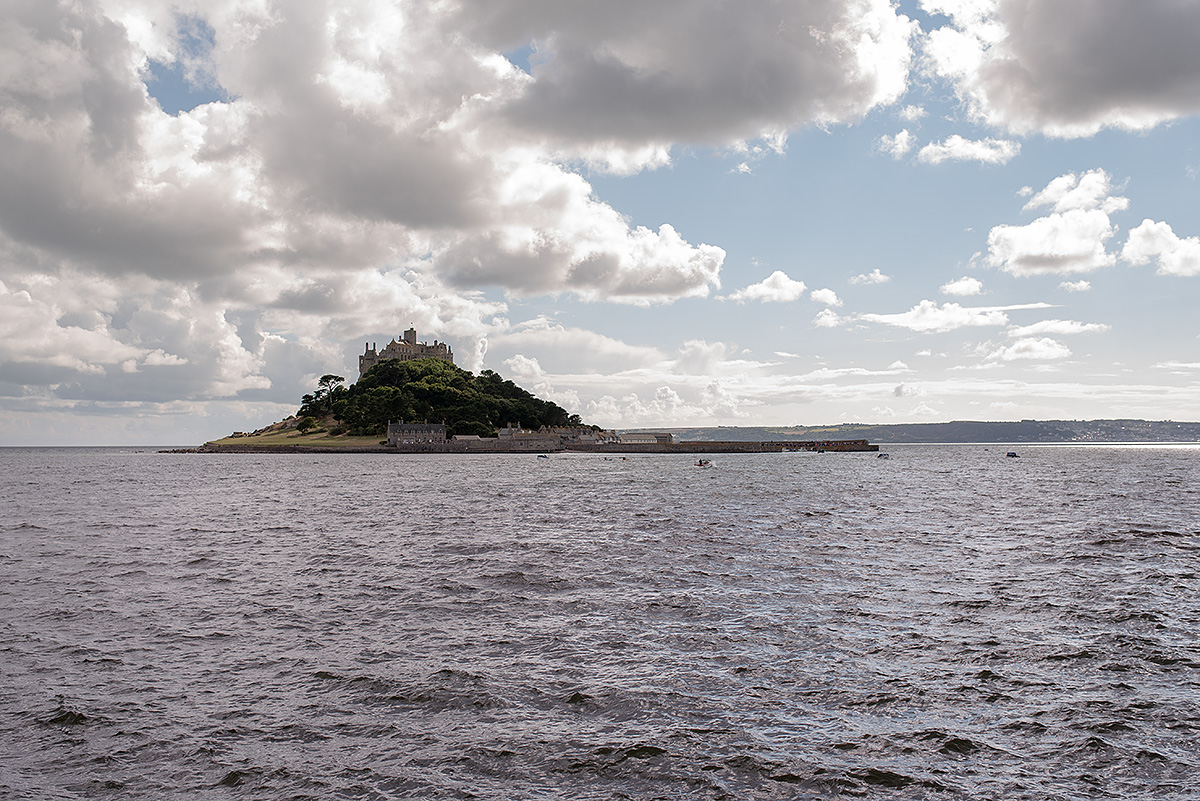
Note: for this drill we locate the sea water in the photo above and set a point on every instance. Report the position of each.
(947, 623)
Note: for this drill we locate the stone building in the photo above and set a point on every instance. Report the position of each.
(405, 350)
(409, 435)
(515, 438)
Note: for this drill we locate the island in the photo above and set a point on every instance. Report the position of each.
(418, 403)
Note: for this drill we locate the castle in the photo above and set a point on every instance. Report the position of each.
(405, 350)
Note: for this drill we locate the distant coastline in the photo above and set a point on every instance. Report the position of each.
(963, 432)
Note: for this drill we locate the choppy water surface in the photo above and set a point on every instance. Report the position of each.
(946, 623)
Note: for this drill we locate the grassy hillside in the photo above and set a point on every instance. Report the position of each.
(320, 439)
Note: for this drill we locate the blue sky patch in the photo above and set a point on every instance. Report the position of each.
(189, 81)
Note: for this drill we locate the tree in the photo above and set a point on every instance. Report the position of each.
(326, 389)
(320, 402)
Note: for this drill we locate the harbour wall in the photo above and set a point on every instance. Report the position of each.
(545, 446)
(707, 446)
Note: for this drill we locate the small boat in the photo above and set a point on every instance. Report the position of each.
(703, 463)
(1012, 455)
(882, 456)
(543, 456)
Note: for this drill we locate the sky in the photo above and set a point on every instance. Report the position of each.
(656, 214)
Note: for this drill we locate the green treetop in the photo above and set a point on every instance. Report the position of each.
(435, 391)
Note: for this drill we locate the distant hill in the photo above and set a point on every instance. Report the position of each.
(960, 431)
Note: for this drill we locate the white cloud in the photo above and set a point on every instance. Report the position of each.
(702, 358)
(631, 411)
(1075, 286)
(826, 296)
(581, 246)
(957, 148)
(1058, 328)
(1071, 239)
(158, 358)
(1072, 242)
(524, 368)
(925, 410)
(963, 286)
(63, 334)
(1091, 190)
(927, 316)
(895, 146)
(559, 348)
(1035, 349)
(913, 113)
(873, 277)
(772, 142)
(1156, 241)
(31, 332)
(528, 373)
(139, 339)
(775, 288)
(827, 318)
(701, 381)
(1065, 69)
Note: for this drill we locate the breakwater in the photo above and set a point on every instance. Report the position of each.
(489, 445)
(708, 446)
